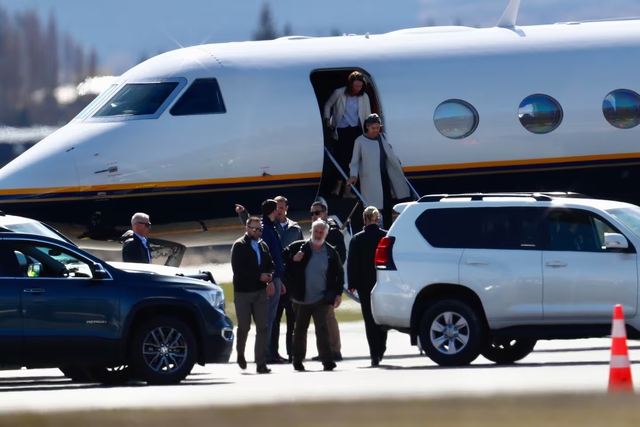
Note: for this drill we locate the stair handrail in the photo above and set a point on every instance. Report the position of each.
(335, 162)
(413, 190)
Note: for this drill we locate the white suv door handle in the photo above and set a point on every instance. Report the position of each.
(472, 262)
(556, 264)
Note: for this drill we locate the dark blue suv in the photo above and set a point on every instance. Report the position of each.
(63, 307)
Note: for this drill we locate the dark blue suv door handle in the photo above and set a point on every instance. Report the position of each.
(33, 291)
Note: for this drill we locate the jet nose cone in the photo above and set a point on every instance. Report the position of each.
(40, 172)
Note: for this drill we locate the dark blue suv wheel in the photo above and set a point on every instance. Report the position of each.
(163, 350)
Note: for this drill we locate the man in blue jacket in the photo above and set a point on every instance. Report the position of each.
(272, 239)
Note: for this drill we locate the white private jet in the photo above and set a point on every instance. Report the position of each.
(187, 134)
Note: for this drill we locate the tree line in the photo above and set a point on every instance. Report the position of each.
(266, 29)
(35, 58)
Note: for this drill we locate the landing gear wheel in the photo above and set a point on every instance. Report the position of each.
(451, 333)
(506, 351)
(112, 375)
(76, 374)
(163, 351)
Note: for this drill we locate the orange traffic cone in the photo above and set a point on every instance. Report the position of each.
(619, 367)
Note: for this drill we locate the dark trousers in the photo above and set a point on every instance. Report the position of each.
(387, 201)
(284, 307)
(376, 336)
(304, 313)
(254, 304)
(343, 149)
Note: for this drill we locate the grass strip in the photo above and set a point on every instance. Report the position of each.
(510, 410)
(342, 314)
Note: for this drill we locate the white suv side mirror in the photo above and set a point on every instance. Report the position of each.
(615, 241)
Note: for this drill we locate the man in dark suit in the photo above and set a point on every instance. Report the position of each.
(136, 247)
(362, 276)
(253, 271)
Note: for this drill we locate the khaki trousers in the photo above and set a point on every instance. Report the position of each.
(334, 330)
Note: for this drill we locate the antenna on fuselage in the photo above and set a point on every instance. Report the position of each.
(508, 18)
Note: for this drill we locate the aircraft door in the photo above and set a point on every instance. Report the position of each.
(345, 204)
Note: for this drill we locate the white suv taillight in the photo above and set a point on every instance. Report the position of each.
(384, 258)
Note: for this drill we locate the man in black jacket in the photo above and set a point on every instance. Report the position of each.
(336, 239)
(253, 271)
(136, 247)
(362, 276)
(314, 276)
(289, 231)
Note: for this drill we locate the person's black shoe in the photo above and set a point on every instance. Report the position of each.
(275, 361)
(316, 359)
(329, 366)
(242, 362)
(375, 362)
(284, 360)
(262, 369)
(298, 366)
(337, 356)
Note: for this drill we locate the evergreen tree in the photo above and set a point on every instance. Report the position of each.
(93, 63)
(288, 30)
(266, 29)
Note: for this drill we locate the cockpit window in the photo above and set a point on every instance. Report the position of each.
(137, 99)
(107, 92)
(202, 97)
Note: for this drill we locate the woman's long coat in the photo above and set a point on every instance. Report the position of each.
(365, 164)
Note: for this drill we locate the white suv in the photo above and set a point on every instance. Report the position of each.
(491, 274)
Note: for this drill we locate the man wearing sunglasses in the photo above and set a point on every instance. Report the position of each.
(253, 271)
(289, 231)
(136, 247)
(336, 239)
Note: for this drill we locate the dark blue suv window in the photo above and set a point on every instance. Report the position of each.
(9, 266)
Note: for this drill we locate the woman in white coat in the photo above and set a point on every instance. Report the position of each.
(344, 115)
(381, 176)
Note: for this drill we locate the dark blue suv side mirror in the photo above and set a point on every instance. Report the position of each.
(98, 272)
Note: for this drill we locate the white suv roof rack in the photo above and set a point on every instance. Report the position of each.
(539, 196)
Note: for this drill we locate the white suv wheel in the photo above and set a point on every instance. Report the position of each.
(449, 333)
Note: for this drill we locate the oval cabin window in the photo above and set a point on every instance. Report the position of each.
(621, 108)
(540, 114)
(455, 119)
